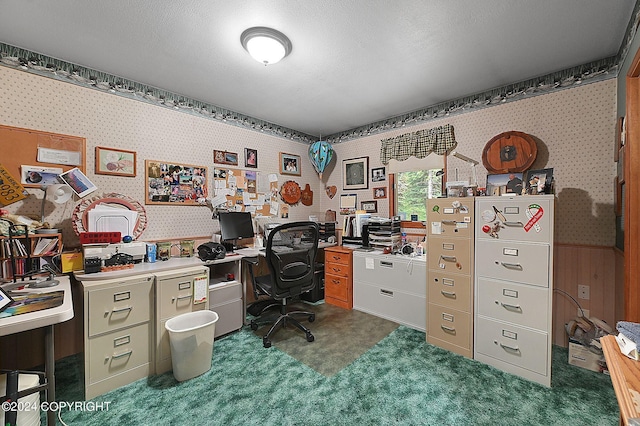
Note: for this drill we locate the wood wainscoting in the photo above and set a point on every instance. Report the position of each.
(600, 268)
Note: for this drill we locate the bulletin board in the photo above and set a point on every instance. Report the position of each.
(55, 151)
(175, 183)
(242, 190)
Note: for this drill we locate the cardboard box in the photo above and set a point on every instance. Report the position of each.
(581, 356)
(71, 262)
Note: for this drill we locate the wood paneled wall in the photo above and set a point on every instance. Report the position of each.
(595, 266)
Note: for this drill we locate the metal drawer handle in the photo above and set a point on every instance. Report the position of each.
(129, 352)
(188, 296)
(448, 329)
(448, 294)
(448, 258)
(509, 348)
(386, 292)
(386, 264)
(117, 311)
(449, 222)
(516, 266)
(514, 224)
(510, 307)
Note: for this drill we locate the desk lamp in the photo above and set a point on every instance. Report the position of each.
(471, 161)
(59, 194)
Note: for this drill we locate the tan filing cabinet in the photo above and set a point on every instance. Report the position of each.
(338, 279)
(118, 327)
(450, 259)
(174, 296)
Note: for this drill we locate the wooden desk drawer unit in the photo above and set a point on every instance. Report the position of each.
(338, 282)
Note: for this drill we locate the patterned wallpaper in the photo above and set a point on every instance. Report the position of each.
(575, 128)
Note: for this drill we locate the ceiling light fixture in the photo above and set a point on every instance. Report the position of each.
(265, 45)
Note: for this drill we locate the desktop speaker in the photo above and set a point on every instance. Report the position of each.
(211, 251)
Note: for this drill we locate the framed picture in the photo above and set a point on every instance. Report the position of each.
(116, 162)
(80, 184)
(369, 206)
(38, 176)
(225, 157)
(289, 164)
(175, 183)
(380, 192)
(355, 173)
(251, 158)
(539, 182)
(507, 183)
(377, 174)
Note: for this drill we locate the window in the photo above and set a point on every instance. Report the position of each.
(412, 190)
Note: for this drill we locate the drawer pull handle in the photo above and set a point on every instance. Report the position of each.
(449, 222)
(386, 264)
(446, 329)
(386, 292)
(125, 309)
(511, 307)
(448, 258)
(335, 281)
(336, 269)
(514, 224)
(515, 266)
(450, 294)
(184, 285)
(509, 348)
(336, 257)
(188, 296)
(127, 353)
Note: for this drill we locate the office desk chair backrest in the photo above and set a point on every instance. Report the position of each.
(290, 254)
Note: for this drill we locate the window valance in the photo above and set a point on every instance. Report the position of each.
(419, 144)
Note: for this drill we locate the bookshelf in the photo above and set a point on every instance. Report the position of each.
(23, 253)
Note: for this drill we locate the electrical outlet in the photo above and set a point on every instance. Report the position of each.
(583, 292)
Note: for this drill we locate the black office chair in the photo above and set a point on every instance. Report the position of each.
(290, 254)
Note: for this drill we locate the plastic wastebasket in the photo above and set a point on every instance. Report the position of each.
(191, 337)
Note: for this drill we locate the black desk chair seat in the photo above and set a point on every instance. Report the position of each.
(290, 255)
(262, 301)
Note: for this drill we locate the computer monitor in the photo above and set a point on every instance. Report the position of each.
(234, 226)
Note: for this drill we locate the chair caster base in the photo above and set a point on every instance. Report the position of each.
(310, 337)
(266, 342)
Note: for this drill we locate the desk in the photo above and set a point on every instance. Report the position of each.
(625, 377)
(45, 318)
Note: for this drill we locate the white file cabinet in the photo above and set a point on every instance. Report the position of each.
(514, 284)
(391, 287)
(118, 327)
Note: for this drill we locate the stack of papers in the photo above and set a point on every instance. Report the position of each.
(104, 218)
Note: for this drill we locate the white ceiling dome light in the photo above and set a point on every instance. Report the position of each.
(265, 45)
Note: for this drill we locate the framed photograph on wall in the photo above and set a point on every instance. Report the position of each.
(369, 206)
(80, 184)
(225, 157)
(539, 182)
(251, 158)
(290, 164)
(378, 174)
(116, 162)
(380, 192)
(355, 173)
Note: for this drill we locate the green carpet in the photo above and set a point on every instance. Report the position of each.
(402, 380)
(341, 336)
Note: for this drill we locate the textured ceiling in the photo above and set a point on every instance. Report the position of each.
(353, 62)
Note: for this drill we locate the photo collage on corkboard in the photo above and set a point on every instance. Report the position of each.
(174, 183)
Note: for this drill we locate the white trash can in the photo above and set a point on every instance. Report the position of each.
(191, 337)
